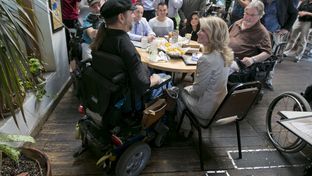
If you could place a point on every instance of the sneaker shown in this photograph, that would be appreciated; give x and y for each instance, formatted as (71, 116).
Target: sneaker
(288, 54)
(268, 86)
(297, 59)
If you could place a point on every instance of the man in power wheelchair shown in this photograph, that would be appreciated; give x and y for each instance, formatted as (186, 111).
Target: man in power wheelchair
(251, 43)
(111, 88)
(108, 126)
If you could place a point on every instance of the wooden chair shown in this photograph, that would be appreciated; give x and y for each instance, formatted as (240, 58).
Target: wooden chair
(234, 108)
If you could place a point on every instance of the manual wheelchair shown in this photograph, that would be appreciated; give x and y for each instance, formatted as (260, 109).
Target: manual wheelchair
(288, 120)
(121, 138)
(283, 139)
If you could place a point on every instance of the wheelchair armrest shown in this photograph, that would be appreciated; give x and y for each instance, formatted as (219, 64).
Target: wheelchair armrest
(119, 78)
(85, 61)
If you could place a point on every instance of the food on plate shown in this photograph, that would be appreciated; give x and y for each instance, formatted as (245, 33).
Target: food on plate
(172, 49)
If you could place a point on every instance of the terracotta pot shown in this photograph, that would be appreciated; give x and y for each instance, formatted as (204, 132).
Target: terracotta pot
(39, 156)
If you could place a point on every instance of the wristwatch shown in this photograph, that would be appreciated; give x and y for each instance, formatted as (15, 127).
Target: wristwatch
(254, 59)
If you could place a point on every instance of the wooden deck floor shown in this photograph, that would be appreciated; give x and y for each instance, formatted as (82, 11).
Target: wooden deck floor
(178, 157)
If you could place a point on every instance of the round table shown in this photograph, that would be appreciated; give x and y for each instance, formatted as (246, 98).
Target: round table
(176, 65)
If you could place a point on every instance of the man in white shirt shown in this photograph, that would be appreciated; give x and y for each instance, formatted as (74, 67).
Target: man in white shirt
(161, 24)
(173, 7)
(140, 27)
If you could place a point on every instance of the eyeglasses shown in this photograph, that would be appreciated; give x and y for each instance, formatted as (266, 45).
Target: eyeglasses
(252, 15)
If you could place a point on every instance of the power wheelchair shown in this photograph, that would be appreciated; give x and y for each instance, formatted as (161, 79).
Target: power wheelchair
(261, 70)
(119, 137)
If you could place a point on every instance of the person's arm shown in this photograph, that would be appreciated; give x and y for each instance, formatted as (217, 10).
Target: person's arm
(154, 79)
(304, 13)
(204, 77)
(292, 13)
(78, 6)
(87, 23)
(139, 73)
(182, 16)
(257, 58)
(265, 46)
(243, 3)
(91, 32)
(177, 3)
(150, 33)
(135, 37)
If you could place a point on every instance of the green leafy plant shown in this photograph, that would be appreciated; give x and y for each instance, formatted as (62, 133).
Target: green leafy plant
(7, 148)
(17, 31)
(36, 70)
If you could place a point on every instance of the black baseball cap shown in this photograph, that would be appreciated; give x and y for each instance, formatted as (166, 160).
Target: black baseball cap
(112, 8)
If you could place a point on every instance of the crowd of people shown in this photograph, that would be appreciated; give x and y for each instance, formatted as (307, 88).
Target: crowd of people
(112, 24)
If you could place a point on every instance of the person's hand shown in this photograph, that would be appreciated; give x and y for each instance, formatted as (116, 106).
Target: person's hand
(150, 38)
(302, 13)
(283, 31)
(155, 79)
(248, 61)
(185, 21)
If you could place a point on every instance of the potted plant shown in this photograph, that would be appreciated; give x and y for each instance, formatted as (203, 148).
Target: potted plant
(36, 70)
(34, 160)
(16, 33)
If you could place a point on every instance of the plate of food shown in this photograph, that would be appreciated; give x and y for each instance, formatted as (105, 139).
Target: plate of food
(172, 50)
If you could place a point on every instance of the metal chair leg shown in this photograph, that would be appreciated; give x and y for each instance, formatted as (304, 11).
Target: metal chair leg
(181, 120)
(238, 140)
(200, 149)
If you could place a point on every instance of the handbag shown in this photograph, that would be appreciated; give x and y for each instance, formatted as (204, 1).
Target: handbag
(153, 113)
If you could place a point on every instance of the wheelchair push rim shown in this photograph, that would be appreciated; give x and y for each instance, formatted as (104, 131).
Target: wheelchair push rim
(282, 138)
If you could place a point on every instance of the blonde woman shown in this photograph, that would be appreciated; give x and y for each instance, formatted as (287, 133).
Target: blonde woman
(210, 84)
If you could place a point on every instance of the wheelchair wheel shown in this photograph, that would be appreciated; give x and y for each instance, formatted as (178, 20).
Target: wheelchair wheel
(133, 160)
(282, 138)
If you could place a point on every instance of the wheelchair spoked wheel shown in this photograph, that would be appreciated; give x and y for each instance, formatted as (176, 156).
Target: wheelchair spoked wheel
(133, 160)
(282, 138)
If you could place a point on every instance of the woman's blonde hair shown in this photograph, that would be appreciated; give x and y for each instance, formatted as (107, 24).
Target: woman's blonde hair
(218, 37)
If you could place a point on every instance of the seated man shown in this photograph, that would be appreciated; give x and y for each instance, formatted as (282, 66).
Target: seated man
(113, 38)
(249, 39)
(161, 24)
(140, 27)
(91, 22)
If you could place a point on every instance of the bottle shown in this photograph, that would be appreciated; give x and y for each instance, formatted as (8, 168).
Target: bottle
(175, 36)
(154, 50)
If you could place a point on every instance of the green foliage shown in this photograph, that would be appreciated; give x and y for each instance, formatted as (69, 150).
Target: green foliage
(35, 66)
(17, 72)
(16, 31)
(36, 70)
(9, 150)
